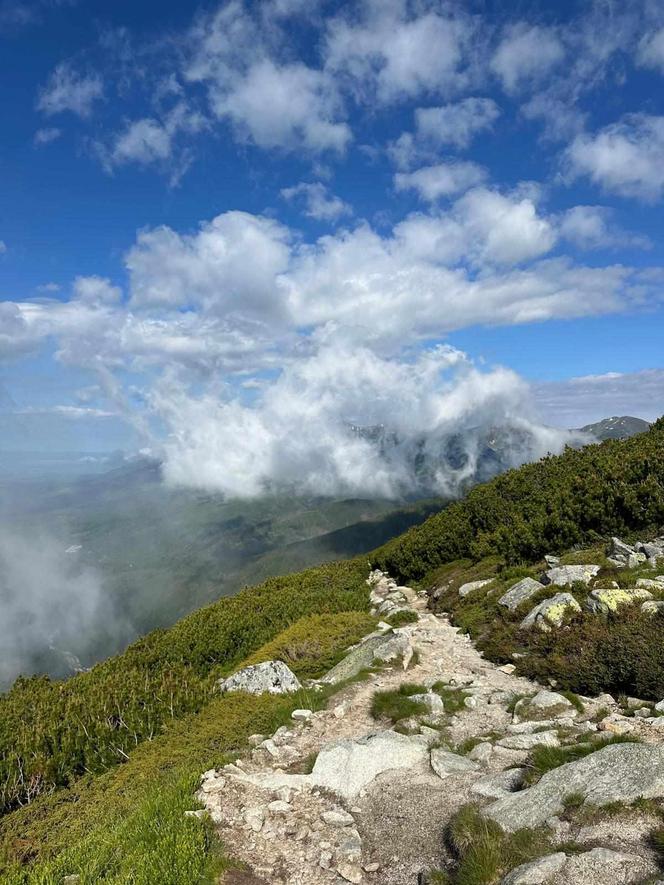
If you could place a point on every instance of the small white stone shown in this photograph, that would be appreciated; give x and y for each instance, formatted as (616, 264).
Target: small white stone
(279, 807)
(301, 715)
(337, 818)
(350, 872)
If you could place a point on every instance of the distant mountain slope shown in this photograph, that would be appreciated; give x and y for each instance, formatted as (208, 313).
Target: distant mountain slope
(616, 428)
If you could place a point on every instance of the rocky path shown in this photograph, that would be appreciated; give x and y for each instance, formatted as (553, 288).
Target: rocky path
(342, 797)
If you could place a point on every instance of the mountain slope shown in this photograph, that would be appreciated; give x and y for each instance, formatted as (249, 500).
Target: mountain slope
(616, 428)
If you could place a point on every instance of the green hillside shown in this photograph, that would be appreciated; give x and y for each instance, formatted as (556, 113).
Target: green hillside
(137, 728)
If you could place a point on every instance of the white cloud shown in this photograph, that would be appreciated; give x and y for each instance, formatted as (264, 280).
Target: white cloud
(285, 106)
(456, 124)
(96, 290)
(68, 90)
(526, 54)
(584, 400)
(3, 247)
(626, 158)
(593, 227)
(650, 52)
(388, 55)
(229, 266)
(319, 203)
(297, 431)
(46, 136)
(441, 180)
(508, 229)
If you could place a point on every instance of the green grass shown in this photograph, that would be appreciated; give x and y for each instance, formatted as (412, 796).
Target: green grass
(396, 704)
(453, 698)
(98, 818)
(543, 759)
(401, 618)
(484, 853)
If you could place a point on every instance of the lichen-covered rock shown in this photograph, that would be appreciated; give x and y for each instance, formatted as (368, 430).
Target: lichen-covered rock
(656, 584)
(520, 592)
(652, 606)
(273, 677)
(565, 575)
(495, 786)
(617, 773)
(365, 655)
(603, 600)
(465, 589)
(551, 612)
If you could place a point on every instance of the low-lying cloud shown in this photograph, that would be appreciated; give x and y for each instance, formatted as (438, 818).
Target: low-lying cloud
(53, 606)
(346, 421)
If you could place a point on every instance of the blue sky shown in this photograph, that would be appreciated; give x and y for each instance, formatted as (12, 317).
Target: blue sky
(213, 216)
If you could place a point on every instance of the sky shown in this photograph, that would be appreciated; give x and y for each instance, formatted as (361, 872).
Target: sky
(227, 230)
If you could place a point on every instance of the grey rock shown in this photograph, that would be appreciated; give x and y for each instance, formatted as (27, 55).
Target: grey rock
(551, 612)
(358, 659)
(620, 548)
(465, 589)
(551, 560)
(301, 715)
(528, 741)
(652, 606)
(536, 872)
(651, 550)
(659, 706)
(397, 646)
(520, 592)
(347, 767)
(544, 705)
(481, 753)
(564, 575)
(650, 584)
(273, 677)
(337, 818)
(617, 773)
(446, 763)
(602, 865)
(495, 786)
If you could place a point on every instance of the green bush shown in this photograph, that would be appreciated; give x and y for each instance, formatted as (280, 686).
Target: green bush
(52, 732)
(572, 499)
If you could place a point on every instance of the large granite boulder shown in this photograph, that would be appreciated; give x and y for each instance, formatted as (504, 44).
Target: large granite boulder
(617, 773)
(347, 767)
(273, 677)
(565, 575)
(520, 592)
(551, 612)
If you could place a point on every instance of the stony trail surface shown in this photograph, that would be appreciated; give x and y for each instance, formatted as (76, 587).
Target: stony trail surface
(375, 806)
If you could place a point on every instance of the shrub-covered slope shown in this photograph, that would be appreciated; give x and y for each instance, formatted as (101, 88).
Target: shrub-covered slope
(65, 739)
(552, 505)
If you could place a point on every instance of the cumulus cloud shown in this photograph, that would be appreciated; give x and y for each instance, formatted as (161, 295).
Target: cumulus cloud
(302, 430)
(441, 180)
(318, 202)
(96, 290)
(388, 54)
(457, 123)
(526, 53)
(626, 158)
(593, 227)
(230, 265)
(69, 90)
